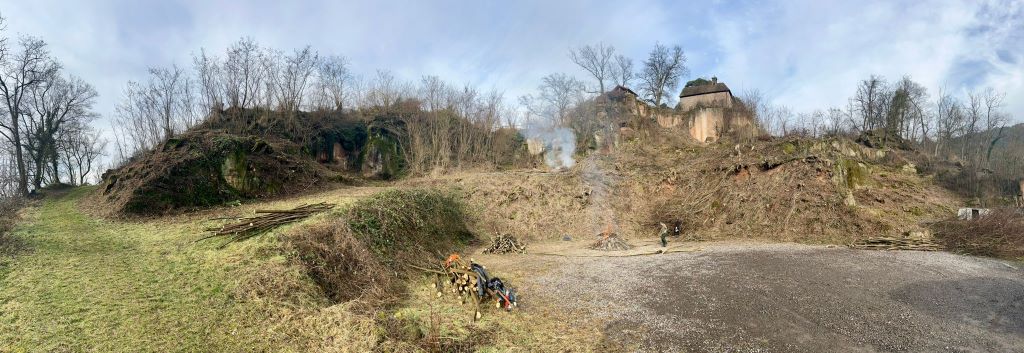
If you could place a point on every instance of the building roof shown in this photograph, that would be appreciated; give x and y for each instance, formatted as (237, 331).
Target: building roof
(704, 89)
(616, 94)
(623, 88)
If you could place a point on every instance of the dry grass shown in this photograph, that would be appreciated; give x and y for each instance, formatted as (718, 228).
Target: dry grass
(8, 218)
(781, 190)
(998, 234)
(338, 262)
(358, 254)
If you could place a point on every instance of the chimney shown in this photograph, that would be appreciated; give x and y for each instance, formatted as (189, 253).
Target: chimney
(714, 80)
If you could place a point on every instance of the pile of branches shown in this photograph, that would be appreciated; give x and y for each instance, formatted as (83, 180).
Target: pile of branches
(470, 281)
(999, 233)
(264, 221)
(610, 242)
(505, 244)
(893, 243)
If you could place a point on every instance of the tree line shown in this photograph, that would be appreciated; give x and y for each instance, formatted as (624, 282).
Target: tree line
(448, 125)
(46, 136)
(560, 94)
(964, 127)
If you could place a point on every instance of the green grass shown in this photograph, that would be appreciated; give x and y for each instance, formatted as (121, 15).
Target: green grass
(97, 285)
(93, 285)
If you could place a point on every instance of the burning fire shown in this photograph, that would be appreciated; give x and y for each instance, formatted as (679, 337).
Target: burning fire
(609, 230)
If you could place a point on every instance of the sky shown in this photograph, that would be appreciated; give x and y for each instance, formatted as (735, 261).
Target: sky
(804, 54)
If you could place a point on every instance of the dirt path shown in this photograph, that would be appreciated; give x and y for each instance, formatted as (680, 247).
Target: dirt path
(785, 298)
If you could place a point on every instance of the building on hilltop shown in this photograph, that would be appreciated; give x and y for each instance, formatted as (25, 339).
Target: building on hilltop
(715, 94)
(709, 110)
(623, 95)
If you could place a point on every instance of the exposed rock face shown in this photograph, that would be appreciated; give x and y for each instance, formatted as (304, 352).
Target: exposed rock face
(383, 157)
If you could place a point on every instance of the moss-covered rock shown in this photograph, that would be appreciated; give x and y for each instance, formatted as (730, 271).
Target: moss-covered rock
(207, 168)
(384, 156)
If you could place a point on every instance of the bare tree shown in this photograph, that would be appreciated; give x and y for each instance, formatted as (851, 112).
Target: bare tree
(598, 60)
(57, 106)
(835, 120)
(243, 73)
(871, 102)
(209, 78)
(21, 71)
(385, 91)
(333, 83)
(156, 110)
(558, 93)
(994, 120)
(169, 90)
(662, 71)
(82, 151)
(295, 75)
(949, 120)
(8, 172)
(622, 71)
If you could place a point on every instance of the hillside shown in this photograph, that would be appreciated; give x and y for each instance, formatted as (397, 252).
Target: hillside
(807, 190)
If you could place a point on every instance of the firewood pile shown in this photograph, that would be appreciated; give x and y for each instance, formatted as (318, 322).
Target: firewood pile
(264, 221)
(469, 280)
(505, 244)
(610, 242)
(894, 243)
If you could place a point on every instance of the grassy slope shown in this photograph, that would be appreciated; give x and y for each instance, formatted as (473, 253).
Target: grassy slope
(112, 286)
(89, 284)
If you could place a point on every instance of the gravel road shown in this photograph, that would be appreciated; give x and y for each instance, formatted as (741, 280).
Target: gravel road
(786, 298)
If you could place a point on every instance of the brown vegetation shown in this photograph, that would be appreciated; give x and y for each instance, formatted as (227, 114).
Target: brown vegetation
(359, 253)
(8, 217)
(207, 168)
(998, 234)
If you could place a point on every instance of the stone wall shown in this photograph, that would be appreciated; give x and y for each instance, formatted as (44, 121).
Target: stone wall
(669, 121)
(707, 124)
(717, 99)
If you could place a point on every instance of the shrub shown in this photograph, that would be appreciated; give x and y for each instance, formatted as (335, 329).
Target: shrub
(8, 213)
(998, 234)
(8, 217)
(357, 254)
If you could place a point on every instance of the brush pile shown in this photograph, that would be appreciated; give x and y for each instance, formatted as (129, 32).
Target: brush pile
(265, 221)
(505, 244)
(893, 243)
(610, 242)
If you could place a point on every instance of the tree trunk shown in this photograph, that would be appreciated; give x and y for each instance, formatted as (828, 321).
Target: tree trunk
(18, 156)
(54, 163)
(37, 177)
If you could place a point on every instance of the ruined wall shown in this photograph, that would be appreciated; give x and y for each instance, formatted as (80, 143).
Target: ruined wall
(718, 99)
(707, 124)
(670, 120)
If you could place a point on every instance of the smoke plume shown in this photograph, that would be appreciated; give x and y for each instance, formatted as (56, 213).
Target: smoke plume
(559, 145)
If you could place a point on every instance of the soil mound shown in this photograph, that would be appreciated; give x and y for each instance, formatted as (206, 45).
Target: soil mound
(206, 168)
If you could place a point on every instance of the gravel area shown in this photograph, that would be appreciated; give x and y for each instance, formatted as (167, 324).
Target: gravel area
(786, 298)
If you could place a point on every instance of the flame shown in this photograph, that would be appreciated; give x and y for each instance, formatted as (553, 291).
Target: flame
(608, 230)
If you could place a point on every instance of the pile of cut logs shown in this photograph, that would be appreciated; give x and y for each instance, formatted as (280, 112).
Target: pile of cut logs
(469, 280)
(264, 221)
(504, 244)
(893, 243)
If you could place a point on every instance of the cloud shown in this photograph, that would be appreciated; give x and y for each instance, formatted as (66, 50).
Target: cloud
(809, 54)
(804, 54)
